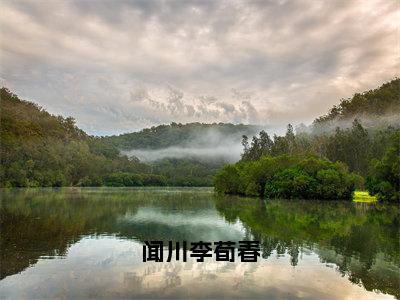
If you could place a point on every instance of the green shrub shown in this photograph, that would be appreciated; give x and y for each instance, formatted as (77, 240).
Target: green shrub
(228, 180)
(123, 179)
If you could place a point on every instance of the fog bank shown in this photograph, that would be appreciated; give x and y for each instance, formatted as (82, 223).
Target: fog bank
(227, 152)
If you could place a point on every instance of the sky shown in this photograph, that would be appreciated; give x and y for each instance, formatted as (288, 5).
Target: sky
(120, 66)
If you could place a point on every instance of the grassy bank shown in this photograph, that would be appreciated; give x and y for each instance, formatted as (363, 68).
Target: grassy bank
(362, 196)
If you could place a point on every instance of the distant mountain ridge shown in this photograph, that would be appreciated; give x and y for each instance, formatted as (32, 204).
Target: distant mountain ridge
(183, 135)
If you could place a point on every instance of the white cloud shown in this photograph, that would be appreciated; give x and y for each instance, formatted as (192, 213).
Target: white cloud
(119, 66)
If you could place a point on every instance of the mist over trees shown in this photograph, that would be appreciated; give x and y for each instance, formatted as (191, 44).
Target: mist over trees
(186, 154)
(369, 151)
(355, 146)
(189, 135)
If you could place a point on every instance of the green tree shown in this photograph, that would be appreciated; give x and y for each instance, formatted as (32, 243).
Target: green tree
(383, 177)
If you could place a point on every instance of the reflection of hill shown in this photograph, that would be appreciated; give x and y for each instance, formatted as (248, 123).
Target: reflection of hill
(361, 240)
(45, 222)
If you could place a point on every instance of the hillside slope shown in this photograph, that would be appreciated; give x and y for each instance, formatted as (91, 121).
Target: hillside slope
(40, 149)
(377, 103)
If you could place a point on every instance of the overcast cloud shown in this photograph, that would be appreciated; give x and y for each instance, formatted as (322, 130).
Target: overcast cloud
(119, 66)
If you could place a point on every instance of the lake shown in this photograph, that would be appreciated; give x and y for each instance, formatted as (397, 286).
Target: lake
(75, 243)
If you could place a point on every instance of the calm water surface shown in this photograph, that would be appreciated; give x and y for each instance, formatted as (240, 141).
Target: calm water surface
(87, 243)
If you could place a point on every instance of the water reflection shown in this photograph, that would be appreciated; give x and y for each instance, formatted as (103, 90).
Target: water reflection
(74, 243)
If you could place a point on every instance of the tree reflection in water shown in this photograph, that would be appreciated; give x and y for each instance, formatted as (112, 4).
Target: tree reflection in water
(360, 240)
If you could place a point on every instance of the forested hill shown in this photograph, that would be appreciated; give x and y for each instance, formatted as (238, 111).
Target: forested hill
(183, 135)
(27, 123)
(25, 120)
(40, 149)
(380, 102)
